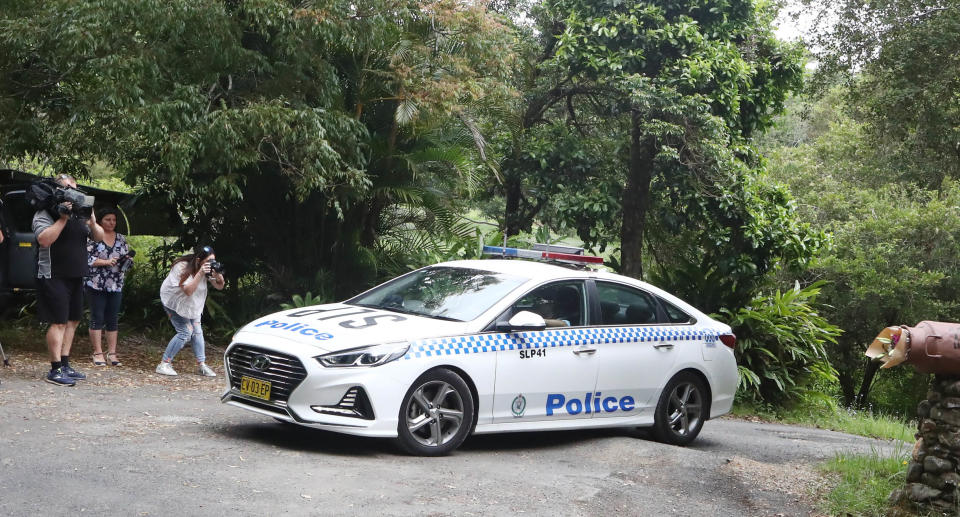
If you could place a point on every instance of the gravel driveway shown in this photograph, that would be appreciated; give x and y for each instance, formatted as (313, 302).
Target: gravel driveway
(129, 442)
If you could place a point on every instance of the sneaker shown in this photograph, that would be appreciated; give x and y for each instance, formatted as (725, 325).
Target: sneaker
(73, 374)
(165, 368)
(205, 370)
(59, 378)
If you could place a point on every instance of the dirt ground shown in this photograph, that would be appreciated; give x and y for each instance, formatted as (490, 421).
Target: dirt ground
(140, 354)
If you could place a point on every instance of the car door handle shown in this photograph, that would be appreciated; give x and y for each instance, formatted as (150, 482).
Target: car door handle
(588, 351)
(668, 346)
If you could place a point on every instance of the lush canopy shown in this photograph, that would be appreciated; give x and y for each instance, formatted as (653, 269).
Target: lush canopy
(323, 145)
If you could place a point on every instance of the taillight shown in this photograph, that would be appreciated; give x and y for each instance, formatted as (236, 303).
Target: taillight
(729, 339)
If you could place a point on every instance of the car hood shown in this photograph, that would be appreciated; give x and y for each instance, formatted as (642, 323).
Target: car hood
(337, 326)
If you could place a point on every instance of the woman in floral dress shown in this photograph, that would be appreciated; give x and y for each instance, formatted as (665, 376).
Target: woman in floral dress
(109, 261)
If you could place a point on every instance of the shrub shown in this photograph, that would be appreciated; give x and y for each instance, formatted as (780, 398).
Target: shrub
(141, 289)
(781, 344)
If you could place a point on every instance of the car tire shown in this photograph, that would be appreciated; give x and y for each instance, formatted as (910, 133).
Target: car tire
(681, 410)
(436, 414)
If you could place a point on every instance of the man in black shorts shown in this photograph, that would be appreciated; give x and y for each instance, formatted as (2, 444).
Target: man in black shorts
(62, 264)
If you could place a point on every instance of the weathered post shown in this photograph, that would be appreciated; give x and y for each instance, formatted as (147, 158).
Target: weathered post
(933, 473)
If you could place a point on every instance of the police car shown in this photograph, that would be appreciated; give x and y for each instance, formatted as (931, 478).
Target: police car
(485, 346)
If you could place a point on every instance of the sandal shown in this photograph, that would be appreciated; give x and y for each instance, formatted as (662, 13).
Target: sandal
(101, 362)
(115, 361)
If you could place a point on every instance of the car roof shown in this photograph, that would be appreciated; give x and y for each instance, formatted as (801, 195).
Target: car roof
(538, 271)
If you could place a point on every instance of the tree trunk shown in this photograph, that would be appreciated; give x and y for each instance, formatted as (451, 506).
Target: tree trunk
(636, 199)
(370, 220)
(869, 372)
(847, 388)
(512, 219)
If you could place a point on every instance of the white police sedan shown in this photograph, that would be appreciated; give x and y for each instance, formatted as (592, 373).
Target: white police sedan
(484, 346)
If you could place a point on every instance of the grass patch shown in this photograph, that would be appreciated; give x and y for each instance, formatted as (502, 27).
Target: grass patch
(835, 418)
(865, 482)
(862, 423)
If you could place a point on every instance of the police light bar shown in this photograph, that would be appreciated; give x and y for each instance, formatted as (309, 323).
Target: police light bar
(542, 255)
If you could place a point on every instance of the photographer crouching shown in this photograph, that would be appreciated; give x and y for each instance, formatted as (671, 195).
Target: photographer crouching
(62, 226)
(183, 295)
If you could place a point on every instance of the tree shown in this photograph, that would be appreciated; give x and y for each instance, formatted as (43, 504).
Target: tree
(893, 254)
(686, 79)
(893, 64)
(897, 59)
(543, 140)
(284, 131)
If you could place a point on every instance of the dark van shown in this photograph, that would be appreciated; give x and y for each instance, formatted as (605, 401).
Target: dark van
(18, 252)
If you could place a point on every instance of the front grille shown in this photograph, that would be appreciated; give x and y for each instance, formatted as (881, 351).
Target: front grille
(285, 372)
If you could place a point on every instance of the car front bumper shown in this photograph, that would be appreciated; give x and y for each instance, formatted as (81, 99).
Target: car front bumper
(360, 401)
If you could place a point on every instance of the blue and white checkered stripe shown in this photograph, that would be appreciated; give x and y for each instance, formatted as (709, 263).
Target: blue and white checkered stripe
(482, 343)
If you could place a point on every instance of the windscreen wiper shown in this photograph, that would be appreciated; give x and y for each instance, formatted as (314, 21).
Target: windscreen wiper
(401, 310)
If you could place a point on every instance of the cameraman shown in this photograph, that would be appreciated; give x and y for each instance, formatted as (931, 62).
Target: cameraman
(62, 264)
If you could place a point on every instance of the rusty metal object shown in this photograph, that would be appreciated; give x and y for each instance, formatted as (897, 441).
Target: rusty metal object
(935, 347)
(930, 346)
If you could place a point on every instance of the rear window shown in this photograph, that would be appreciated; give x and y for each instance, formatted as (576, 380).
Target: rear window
(622, 305)
(675, 315)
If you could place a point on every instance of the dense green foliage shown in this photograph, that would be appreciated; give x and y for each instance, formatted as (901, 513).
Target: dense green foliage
(681, 84)
(893, 258)
(631, 133)
(293, 136)
(898, 62)
(781, 344)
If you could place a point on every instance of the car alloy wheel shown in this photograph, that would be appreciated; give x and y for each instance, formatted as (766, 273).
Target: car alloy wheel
(681, 410)
(436, 414)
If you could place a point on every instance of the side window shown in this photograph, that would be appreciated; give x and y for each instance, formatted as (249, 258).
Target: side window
(622, 305)
(675, 315)
(561, 304)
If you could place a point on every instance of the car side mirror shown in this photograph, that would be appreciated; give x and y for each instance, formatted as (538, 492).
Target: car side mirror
(523, 320)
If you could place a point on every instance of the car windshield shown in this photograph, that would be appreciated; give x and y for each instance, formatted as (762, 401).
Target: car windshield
(450, 293)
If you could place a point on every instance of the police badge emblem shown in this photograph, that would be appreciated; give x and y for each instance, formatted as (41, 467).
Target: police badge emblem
(519, 405)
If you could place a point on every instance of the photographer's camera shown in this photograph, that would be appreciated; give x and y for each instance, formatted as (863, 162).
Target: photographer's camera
(122, 261)
(215, 267)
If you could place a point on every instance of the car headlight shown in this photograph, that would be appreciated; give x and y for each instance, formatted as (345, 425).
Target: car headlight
(365, 356)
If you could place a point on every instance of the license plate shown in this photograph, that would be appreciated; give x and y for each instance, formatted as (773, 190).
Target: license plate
(255, 388)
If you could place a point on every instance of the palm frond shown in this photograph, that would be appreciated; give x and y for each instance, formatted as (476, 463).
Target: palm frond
(406, 112)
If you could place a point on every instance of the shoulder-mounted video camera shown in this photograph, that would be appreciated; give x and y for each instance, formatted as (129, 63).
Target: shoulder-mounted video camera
(47, 194)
